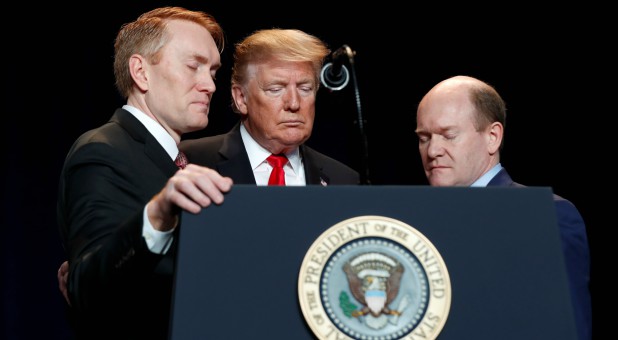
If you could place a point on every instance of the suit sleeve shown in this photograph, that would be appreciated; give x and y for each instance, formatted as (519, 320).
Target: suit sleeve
(103, 216)
(577, 258)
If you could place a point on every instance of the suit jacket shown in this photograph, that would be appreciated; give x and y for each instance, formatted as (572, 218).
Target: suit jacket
(576, 254)
(226, 153)
(119, 289)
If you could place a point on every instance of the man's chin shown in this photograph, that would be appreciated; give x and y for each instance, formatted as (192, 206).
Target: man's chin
(294, 138)
(440, 181)
(199, 123)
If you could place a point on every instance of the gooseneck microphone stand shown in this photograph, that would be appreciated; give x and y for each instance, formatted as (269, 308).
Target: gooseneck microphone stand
(335, 76)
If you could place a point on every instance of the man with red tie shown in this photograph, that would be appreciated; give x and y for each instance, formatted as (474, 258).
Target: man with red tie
(275, 79)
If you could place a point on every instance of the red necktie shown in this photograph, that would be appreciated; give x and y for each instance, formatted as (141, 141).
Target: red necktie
(277, 176)
(181, 160)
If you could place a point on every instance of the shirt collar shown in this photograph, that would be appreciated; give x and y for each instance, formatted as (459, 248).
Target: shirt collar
(483, 180)
(158, 132)
(258, 154)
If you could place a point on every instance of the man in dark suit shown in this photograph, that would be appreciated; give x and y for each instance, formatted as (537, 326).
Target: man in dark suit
(460, 127)
(275, 79)
(121, 192)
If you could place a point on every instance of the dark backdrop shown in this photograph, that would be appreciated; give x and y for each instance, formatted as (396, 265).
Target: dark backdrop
(547, 65)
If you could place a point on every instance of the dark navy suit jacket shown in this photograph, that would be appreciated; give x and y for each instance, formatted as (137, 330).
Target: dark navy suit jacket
(576, 254)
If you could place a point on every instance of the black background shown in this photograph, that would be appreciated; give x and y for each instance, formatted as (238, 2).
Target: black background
(548, 64)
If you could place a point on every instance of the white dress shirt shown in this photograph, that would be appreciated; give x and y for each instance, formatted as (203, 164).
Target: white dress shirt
(294, 170)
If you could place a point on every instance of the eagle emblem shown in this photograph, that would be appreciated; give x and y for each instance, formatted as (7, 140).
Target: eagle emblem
(374, 280)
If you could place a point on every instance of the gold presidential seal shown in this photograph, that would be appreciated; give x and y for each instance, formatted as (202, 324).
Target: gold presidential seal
(374, 278)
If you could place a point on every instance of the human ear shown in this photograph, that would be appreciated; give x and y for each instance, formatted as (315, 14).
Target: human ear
(239, 98)
(138, 71)
(495, 135)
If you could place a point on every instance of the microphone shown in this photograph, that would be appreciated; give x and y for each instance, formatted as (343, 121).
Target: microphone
(335, 75)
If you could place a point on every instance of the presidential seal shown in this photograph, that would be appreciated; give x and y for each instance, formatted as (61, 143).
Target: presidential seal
(374, 278)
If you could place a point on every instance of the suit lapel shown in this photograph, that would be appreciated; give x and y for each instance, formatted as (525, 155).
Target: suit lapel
(152, 148)
(313, 169)
(234, 159)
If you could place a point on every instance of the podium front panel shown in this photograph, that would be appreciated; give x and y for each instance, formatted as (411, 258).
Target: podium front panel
(238, 263)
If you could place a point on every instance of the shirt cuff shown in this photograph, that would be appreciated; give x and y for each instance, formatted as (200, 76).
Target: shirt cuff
(158, 242)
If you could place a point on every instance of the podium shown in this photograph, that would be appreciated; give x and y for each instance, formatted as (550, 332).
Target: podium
(239, 265)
